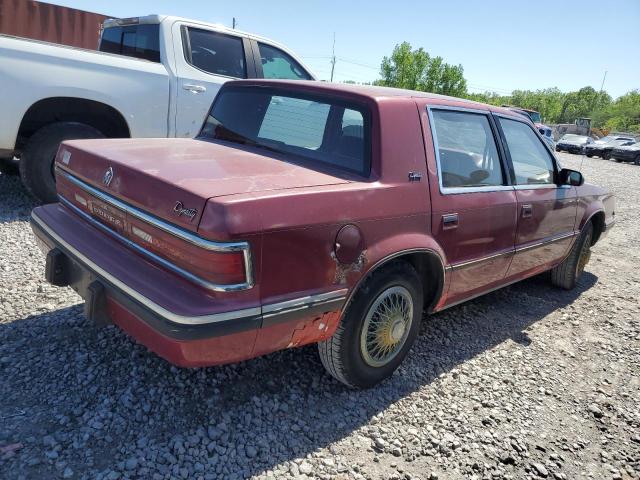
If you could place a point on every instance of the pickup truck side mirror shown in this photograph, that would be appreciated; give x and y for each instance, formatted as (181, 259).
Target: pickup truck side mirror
(571, 177)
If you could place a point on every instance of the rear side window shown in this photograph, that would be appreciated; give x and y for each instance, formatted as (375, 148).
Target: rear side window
(467, 152)
(532, 162)
(313, 129)
(278, 64)
(138, 41)
(215, 53)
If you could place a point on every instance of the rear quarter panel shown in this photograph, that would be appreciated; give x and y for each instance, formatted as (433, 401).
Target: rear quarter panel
(299, 226)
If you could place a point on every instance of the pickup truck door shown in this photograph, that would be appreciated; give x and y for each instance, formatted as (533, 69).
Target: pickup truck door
(473, 204)
(546, 211)
(204, 60)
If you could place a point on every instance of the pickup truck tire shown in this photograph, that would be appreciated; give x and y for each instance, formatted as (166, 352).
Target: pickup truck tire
(346, 355)
(36, 161)
(566, 274)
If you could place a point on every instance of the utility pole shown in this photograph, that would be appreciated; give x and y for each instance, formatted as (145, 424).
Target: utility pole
(333, 56)
(603, 79)
(234, 23)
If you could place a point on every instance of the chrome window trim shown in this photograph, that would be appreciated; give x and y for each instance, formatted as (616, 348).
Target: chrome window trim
(273, 308)
(458, 190)
(222, 247)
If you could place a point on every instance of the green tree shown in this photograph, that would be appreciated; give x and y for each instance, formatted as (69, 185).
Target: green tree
(623, 115)
(417, 70)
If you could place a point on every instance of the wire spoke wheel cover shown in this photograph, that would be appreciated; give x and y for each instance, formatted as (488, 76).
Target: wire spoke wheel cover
(386, 326)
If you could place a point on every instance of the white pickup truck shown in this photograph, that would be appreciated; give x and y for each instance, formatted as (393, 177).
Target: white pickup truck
(153, 76)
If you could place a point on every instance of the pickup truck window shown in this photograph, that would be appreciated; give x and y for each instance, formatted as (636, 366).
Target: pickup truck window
(139, 41)
(277, 64)
(319, 130)
(532, 162)
(216, 53)
(467, 151)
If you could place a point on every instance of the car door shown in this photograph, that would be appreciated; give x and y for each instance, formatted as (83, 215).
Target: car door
(205, 59)
(473, 204)
(546, 211)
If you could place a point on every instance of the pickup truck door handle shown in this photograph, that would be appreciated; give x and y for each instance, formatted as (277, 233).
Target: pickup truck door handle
(194, 88)
(449, 221)
(527, 210)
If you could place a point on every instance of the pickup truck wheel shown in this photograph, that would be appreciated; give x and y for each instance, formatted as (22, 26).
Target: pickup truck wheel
(378, 329)
(36, 161)
(566, 274)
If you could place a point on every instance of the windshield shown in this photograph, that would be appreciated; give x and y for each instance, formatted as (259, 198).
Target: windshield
(535, 117)
(309, 128)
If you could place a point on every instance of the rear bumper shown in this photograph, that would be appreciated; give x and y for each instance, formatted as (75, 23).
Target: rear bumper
(200, 329)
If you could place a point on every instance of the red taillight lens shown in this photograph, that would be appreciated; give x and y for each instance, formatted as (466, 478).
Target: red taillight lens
(221, 268)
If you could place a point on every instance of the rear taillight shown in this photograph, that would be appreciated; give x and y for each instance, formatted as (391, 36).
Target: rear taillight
(217, 267)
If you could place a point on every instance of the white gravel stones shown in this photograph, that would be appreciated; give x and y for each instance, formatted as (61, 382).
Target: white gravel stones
(527, 382)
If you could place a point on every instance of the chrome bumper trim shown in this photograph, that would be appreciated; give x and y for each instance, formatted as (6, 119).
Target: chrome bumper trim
(261, 311)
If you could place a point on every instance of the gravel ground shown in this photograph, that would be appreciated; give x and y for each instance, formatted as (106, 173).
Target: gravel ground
(526, 382)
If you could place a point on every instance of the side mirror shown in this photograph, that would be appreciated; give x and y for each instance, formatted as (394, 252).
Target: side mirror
(571, 177)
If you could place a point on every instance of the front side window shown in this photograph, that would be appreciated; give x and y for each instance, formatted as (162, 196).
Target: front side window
(313, 129)
(532, 163)
(278, 64)
(466, 149)
(216, 53)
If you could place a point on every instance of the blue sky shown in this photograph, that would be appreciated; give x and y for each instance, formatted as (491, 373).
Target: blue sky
(502, 45)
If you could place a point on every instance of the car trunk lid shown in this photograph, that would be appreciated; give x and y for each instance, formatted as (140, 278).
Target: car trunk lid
(173, 178)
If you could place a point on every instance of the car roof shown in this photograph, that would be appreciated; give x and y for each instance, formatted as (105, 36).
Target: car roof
(373, 92)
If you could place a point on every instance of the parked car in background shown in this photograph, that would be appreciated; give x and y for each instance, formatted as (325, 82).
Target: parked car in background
(602, 148)
(573, 143)
(536, 118)
(154, 76)
(627, 153)
(308, 212)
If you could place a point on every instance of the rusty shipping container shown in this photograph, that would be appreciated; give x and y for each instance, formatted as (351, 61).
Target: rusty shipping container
(51, 23)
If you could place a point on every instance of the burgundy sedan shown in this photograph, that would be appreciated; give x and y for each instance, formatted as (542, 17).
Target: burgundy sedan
(313, 213)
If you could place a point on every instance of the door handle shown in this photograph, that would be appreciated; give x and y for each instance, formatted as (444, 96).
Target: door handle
(194, 88)
(527, 210)
(450, 221)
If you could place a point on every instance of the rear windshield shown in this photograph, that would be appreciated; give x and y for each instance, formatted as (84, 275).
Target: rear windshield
(316, 129)
(139, 41)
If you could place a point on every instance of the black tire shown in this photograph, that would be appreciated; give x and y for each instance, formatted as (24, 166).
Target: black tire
(589, 155)
(636, 161)
(9, 166)
(36, 161)
(342, 354)
(566, 274)
(606, 156)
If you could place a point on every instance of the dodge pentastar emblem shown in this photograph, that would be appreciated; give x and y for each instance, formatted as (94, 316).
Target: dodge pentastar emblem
(108, 176)
(180, 209)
